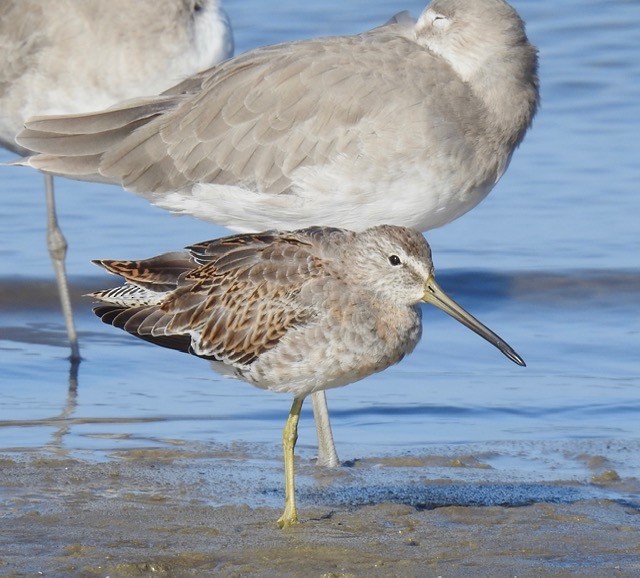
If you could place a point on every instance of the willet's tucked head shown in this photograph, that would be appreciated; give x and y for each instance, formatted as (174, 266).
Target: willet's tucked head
(484, 41)
(468, 33)
(295, 312)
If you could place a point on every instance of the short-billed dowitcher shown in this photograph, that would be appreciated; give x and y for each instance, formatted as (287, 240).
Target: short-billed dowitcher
(411, 123)
(295, 312)
(63, 56)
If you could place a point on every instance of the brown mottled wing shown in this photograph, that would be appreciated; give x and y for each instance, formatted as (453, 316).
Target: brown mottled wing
(157, 274)
(244, 297)
(147, 284)
(129, 319)
(239, 302)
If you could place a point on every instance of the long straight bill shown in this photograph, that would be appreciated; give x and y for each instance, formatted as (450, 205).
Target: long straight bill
(436, 296)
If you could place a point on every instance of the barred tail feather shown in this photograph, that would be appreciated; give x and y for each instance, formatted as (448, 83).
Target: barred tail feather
(130, 320)
(129, 295)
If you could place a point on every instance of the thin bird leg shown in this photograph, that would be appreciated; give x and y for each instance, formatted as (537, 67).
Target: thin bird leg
(289, 438)
(327, 454)
(57, 245)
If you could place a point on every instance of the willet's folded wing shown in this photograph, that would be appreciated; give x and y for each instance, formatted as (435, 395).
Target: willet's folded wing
(255, 119)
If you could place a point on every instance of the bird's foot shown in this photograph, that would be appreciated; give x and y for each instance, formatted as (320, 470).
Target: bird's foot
(289, 518)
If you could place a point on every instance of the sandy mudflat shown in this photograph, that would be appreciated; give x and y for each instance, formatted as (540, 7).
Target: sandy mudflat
(192, 512)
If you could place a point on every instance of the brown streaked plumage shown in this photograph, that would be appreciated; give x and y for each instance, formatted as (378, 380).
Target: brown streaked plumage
(298, 312)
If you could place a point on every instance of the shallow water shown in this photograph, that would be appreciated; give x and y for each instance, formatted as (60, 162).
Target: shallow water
(550, 261)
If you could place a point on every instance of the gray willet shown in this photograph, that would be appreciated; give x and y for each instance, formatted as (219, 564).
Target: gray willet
(411, 124)
(293, 312)
(64, 56)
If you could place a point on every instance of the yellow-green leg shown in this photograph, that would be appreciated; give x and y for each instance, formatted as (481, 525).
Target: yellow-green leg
(289, 439)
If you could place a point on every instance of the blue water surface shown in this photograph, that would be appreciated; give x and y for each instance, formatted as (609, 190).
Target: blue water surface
(550, 260)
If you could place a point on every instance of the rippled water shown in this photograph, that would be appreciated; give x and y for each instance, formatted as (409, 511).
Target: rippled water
(550, 261)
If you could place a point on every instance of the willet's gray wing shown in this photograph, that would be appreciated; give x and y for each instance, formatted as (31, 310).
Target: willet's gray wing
(260, 117)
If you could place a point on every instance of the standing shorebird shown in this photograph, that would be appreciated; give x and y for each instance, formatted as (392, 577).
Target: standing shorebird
(411, 123)
(295, 312)
(64, 56)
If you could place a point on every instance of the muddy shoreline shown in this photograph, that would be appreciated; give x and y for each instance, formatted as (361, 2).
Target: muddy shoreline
(150, 512)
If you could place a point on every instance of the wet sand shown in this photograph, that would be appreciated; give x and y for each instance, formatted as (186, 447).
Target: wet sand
(192, 511)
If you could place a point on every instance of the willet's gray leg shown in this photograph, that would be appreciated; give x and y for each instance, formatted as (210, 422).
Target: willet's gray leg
(327, 454)
(57, 246)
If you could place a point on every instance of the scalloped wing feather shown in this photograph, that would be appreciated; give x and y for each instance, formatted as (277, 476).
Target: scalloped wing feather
(236, 299)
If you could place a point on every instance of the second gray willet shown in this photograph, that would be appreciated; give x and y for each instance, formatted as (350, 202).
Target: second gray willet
(293, 312)
(411, 124)
(63, 56)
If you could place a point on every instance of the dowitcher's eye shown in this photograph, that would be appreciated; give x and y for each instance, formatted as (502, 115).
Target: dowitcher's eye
(395, 260)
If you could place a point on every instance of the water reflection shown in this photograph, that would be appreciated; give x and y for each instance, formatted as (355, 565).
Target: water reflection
(57, 438)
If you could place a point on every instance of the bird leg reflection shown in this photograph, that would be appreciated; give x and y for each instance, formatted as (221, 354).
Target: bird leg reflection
(64, 418)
